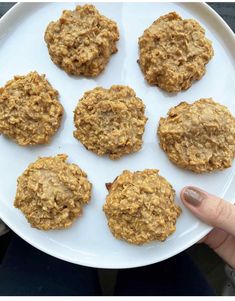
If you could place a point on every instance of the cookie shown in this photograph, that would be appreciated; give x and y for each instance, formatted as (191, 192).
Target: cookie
(52, 192)
(173, 52)
(140, 207)
(110, 121)
(199, 136)
(30, 112)
(82, 41)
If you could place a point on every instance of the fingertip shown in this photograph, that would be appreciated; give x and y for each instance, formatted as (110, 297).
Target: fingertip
(184, 190)
(192, 196)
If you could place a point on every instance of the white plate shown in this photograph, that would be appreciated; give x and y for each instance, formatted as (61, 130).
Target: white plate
(89, 241)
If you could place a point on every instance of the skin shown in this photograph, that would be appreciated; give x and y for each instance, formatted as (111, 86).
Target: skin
(217, 213)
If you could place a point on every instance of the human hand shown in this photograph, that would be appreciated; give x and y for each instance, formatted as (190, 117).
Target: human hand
(216, 213)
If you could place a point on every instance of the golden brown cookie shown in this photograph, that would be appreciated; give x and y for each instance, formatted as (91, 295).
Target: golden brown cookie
(82, 41)
(52, 192)
(173, 52)
(199, 136)
(110, 121)
(30, 112)
(140, 207)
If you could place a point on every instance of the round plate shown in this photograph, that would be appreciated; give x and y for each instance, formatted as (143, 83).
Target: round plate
(89, 241)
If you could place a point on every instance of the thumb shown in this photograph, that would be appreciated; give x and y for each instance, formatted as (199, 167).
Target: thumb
(210, 209)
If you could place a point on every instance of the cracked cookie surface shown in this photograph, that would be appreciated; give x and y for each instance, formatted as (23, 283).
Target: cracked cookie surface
(82, 41)
(173, 52)
(199, 136)
(140, 207)
(110, 121)
(30, 112)
(52, 192)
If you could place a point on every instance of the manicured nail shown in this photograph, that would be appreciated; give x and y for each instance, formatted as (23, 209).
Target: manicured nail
(193, 196)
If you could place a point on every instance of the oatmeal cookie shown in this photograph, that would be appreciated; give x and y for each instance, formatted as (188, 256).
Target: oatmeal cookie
(51, 193)
(174, 52)
(199, 136)
(30, 112)
(82, 41)
(110, 121)
(140, 207)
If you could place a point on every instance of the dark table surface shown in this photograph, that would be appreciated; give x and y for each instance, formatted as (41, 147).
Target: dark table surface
(225, 10)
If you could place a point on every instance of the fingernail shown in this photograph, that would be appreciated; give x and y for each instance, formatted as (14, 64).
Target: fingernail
(193, 196)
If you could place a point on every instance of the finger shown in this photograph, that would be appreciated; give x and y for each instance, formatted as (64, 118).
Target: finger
(215, 238)
(223, 244)
(209, 208)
